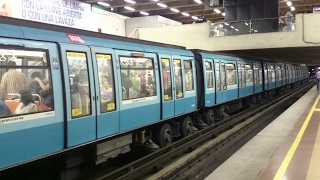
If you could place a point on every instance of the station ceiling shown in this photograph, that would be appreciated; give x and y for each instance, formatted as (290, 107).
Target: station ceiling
(187, 6)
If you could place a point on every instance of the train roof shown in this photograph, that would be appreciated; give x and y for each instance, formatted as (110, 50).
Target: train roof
(17, 28)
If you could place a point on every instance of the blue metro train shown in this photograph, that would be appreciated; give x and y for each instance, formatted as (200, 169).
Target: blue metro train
(105, 92)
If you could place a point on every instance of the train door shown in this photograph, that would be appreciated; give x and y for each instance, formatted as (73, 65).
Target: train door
(232, 84)
(80, 93)
(209, 83)
(266, 77)
(224, 81)
(107, 91)
(179, 106)
(219, 95)
(167, 85)
(139, 98)
(190, 98)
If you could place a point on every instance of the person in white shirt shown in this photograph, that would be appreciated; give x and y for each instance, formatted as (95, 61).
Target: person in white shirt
(318, 79)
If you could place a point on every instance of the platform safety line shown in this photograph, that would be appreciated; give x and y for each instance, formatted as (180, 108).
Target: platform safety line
(317, 109)
(285, 163)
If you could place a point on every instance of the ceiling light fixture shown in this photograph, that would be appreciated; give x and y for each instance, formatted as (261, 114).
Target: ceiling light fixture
(226, 24)
(246, 23)
(223, 14)
(217, 11)
(232, 27)
(174, 10)
(292, 8)
(144, 13)
(198, 1)
(162, 5)
(221, 25)
(185, 14)
(289, 3)
(130, 1)
(236, 29)
(129, 8)
(194, 17)
(103, 4)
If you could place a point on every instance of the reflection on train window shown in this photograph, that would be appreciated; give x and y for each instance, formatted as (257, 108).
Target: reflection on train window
(231, 74)
(248, 73)
(188, 75)
(243, 75)
(209, 74)
(255, 74)
(138, 79)
(266, 74)
(166, 79)
(260, 73)
(25, 86)
(218, 83)
(273, 73)
(79, 84)
(106, 83)
(223, 76)
(178, 78)
(240, 75)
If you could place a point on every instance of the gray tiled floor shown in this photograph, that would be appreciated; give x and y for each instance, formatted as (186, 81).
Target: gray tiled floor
(249, 161)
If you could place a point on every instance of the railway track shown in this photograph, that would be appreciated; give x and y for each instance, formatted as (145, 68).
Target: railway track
(225, 133)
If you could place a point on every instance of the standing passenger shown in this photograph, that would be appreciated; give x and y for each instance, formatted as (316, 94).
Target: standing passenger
(318, 79)
(12, 81)
(289, 20)
(75, 85)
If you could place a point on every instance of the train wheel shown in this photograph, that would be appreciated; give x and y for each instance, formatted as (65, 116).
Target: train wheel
(186, 127)
(208, 117)
(163, 136)
(222, 112)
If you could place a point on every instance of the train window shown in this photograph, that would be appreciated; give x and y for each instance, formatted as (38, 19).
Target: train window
(273, 74)
(266, 74)
(79, 84)
(277, 72)
(256, 75)
(243, 74)
(188, 75)
(248, 70)
(209, 75)
(218, 84)
(240, 75)
(260, 74)
(283, 72)
(231, 74)
(138, 79)
(178, 78)
(106, 82)
(166, 79)
(25, 86)
(223, 76)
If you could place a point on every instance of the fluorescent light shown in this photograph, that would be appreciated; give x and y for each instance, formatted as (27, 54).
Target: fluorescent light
(130, 1)
(198, 1)
(292, 8)
(162, 5)
(155, 0)
(220, 25)
(194, 17)
(226, 24)
(246, 23)
(217, 11)
(144, 13)
(103, 4)
(289, 3)
(223, 14)
(236, 29)
(174, 10)
(129, 8)
(232, 27)
(185, 14)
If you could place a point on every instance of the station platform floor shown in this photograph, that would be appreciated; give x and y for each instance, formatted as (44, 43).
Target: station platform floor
(287, 149)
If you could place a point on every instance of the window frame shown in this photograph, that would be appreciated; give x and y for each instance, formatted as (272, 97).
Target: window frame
(233, 71)
(209, 70)
(218, 77)
(170, 67)
(185, 73)
(178, 95)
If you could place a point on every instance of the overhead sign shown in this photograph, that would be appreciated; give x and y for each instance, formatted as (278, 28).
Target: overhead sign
(75, 38)
(69, 13)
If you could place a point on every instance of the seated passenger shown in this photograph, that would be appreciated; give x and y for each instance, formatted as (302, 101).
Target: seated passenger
(4, 110)
(106, 96)
(26, 104)
(41, 87)
(144, 92)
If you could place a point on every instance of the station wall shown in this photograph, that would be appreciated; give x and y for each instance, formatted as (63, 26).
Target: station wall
(196, 36)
